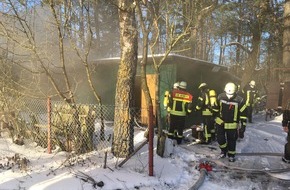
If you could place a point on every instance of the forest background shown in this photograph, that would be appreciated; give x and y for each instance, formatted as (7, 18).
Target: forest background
(43, 43)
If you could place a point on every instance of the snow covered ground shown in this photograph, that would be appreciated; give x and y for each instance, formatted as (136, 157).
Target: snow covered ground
(34, 169)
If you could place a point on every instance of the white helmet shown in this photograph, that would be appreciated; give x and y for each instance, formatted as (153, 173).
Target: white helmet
(202, 85)
(230, 88)
(252, 83)
(182, 85)
(176, 85)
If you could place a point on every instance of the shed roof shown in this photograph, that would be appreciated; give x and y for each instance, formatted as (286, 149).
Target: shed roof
(174, 59)
(170, 57)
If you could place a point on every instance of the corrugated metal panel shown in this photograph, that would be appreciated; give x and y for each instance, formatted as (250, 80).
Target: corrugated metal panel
(273, 89)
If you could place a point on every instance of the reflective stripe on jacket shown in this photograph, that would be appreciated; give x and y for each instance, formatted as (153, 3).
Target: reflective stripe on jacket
(250, 95)
(207, 103)
(230, 110)
(180, 104)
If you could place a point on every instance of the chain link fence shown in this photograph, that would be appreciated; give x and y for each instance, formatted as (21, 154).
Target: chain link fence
(70, 127)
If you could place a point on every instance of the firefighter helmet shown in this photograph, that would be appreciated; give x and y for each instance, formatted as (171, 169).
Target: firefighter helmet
(176, 85)
(252, 83)
(202, 85)
(183, 85)
(230, 88)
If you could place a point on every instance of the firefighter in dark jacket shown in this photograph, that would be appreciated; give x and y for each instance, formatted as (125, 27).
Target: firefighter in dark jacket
(231, 107)
(243, 118)
(286, 128)
(207, 104)
(251, 93)
(179, 106)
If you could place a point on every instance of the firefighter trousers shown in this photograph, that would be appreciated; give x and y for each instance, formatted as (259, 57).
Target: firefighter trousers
(242, 129)
(209, 128)
(287, 148)
(227, 140)
(176, 127)
(250, 113)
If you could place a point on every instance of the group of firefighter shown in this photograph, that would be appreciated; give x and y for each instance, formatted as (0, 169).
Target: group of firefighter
(223, 116)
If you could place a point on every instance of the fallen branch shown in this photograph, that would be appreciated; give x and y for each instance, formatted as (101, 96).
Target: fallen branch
(133, 153)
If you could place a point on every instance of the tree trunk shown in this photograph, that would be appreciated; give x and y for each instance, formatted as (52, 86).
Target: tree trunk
(123, 124)
(252, 61)
(286, 40)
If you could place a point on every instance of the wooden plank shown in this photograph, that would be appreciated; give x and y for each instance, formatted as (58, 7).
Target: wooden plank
(151, 79)
(273, 89)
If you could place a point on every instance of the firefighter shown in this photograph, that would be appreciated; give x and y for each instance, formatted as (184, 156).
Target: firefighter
(167, 97)
(207, 104)
(166, 101)
(286, 128)
(243, 117)
(179, 106)
(231, 106)
(251, 94)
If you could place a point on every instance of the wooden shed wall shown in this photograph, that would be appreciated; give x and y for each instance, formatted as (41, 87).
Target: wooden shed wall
(273, 93)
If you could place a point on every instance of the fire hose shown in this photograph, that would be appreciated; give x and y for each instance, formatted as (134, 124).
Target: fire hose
(204, 167)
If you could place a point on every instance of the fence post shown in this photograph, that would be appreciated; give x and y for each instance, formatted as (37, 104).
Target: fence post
(48, 125)
(150, 143)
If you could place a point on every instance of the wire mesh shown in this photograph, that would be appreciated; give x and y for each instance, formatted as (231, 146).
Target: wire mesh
(80, 128)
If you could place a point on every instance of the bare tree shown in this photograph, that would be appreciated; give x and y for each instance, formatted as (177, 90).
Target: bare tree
(154, 16)
(255, 19)
(48, 53)
(199, 12)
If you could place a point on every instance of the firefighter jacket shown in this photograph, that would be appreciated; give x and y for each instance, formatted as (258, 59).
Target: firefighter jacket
(180, 102)
(242, 94)
(230, 110)
(250, 94)
(207, 103)
(166, 100)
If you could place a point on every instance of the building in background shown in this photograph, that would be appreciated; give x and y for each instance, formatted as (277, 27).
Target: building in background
(175, 68)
